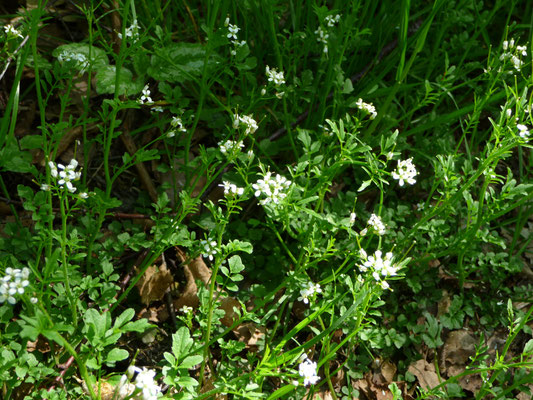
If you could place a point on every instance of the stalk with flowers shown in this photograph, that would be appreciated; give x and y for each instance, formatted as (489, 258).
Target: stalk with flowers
(287, 201)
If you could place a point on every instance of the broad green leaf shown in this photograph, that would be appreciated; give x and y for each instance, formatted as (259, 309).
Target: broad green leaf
(106, 77)
(235, 264)
(116, 355)
(191, 361)
(97, 57)
(181, 342)
(140, 325)
(180, 62)
(126, 316)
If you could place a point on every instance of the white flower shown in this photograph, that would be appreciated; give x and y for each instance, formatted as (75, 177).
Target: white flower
(230, 189)
(84, 195)
(274, 76)
(132, 31)
(10, 30)
(145, 96)
(307, 370)
(381, 267)
(309, 290)
(273, 188)
(13, 283)
(209, 248)
(376, 223)
(352, 218)
(405, 172)
(250, 155)
(186, 309)
(367, 107)
(45, 187)
(143, 381)
(65, 174)
(232, 31)
(331, 20)
(523, 131)
(246, 120)
(230, 147)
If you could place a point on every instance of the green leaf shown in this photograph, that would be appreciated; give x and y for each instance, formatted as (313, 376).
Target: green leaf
(138, 326)
(106, 77)
(528, 348)
(235, 264)
(180, 62)
(181, 343)
(191, 361)
(116, 355)
(97, 57)
(31, 142)
(126, 316)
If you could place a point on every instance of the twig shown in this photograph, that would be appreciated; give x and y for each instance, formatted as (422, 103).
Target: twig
(11, 56)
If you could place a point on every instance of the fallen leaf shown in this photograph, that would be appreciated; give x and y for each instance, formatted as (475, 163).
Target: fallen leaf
(228, 304)
(425, 373)
(250, 334)
(194, 270)
(154, 283)
(458, 347)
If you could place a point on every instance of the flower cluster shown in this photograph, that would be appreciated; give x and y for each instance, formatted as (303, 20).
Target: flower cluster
(523, 131)
(230, 147)
(405, 172)
(322, 34)
(145, 96)
(309, 290)
(66, 175)
(13, 283)
(230, 189)
(274, 76)
(248, 121)
(232, 35)
(177, 125)
(381, 268)
(11, 31)
(209, 248)
(307, 369)
(367, 107)
(273, 188)
(376, 224)
(513, 53)
(132, 31)
(144, 381)
(80, 60)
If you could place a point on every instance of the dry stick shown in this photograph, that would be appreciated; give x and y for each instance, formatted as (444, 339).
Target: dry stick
(11, 57)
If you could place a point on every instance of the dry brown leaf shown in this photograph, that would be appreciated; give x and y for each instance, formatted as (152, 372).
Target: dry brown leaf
(388, 370)
(228, 304)
(40, 344)
(458, 348)
(154, 283)
(249, 333)
(525, 396)
(323, 395)
(472, 383)
(194, 270)
(425, 373)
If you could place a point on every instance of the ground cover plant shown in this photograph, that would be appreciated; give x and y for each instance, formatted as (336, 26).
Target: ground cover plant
(262, 200)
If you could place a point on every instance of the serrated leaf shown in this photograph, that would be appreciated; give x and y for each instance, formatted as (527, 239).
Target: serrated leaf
(180, 62)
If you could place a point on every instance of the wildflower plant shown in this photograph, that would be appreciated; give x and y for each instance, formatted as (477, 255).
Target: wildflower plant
(230, 173)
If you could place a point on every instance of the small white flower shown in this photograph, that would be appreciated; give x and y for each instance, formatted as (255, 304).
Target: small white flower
(209, 248)
(309, 290)
(186, 309)
(145, 96)
(10, 30)
(523, 131)
(377, 224)
(405, 172)
(248, 121)
(367, 107)
(84, 195)
(230, 147)
(273, 188)
(274, 76)
(307, 370)
(230, 189)
(352, 218)
(381, 267)
(45, 187)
